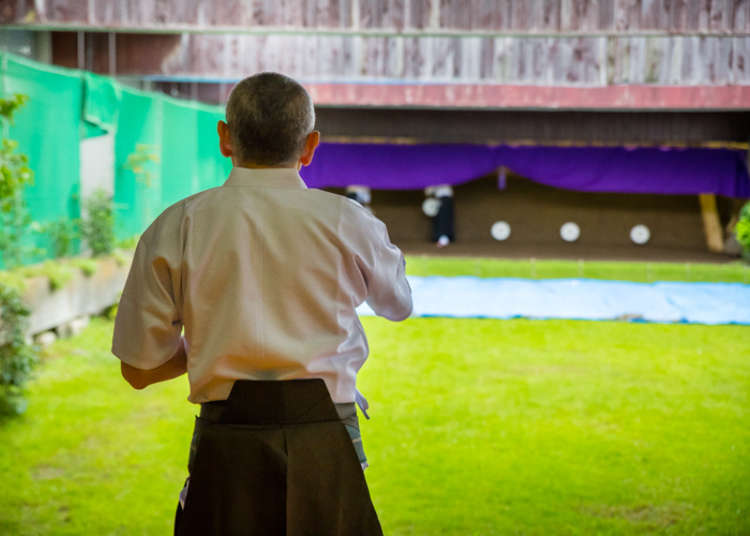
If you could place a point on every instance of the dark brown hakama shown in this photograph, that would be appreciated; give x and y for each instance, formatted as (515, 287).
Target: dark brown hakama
(274, 458)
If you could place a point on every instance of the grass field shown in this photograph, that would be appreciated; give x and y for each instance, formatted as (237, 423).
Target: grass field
(729, 272)
(478, 427)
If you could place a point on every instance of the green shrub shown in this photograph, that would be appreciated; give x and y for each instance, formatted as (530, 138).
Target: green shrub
(15, 224)
(742, 231)
(15, 174)
(61, 234)
(129, 242)
(58, 273)
(98, 223)
(142, 162)
(16, 357)
(87, 266)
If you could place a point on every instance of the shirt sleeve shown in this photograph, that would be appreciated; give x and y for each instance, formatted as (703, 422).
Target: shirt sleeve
(148, 323)
(384, 270)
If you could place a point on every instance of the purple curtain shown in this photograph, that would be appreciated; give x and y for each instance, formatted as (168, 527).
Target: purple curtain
(397, 167)
(587, 169)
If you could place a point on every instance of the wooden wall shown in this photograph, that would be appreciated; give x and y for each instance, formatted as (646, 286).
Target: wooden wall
(423, 52)
(536, 213)
(537, 127)
(506, 16)
(552, 61)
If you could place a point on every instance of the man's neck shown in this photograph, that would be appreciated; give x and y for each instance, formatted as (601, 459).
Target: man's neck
(252, 165)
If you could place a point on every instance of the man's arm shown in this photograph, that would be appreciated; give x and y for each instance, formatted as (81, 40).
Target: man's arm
(147, 329)
(389, 294)
(175, 367)
(382, 266)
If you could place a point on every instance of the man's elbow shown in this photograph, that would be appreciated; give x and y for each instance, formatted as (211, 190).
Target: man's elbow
(404, 315)
(400, 314)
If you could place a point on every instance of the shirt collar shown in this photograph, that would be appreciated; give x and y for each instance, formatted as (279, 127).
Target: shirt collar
(265, 178)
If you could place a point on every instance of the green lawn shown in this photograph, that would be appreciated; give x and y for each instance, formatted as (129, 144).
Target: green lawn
(730, 272)
(478, 427)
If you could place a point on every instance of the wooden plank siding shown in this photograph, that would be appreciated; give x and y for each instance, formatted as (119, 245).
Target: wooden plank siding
(579, 61)
(581, 54)
(547, 61)
(495, 16)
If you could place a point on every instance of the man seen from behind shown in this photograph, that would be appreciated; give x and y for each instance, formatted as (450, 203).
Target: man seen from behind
(251, 288)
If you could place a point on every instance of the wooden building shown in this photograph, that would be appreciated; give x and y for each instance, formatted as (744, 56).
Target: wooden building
(544, 72)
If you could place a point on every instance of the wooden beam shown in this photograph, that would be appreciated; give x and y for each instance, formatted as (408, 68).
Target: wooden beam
(711, 223)
(531, 97)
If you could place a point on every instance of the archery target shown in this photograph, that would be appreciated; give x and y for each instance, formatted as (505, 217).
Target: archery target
(640, 234)
(500, 230)
(570, 231)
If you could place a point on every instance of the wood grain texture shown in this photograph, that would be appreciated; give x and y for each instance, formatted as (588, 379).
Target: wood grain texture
(576, 61)
(523, 16)
(626, 51)
(712, 229)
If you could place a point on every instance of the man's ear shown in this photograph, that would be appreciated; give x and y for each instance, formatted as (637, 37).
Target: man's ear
(225, 139)
(311, 143)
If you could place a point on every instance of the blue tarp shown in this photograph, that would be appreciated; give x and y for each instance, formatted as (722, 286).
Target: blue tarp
(589, 299)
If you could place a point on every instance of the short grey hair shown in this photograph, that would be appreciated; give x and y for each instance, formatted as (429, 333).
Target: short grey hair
(269, 117)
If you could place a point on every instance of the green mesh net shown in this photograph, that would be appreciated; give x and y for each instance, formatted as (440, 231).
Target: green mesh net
(164, 149)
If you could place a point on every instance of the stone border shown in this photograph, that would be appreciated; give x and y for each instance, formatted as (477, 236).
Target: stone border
(80, 297)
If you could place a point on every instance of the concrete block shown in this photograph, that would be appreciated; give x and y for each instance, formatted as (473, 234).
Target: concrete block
(79, 324)
(73, 327)
(80, 297)
(45, 338)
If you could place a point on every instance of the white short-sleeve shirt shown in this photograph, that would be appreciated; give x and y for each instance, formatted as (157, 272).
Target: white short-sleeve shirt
(264, 275)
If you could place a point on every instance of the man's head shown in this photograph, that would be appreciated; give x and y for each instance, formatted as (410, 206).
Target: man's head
(270, 120)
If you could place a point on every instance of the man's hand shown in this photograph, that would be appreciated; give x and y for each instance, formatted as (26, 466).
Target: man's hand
(140, 379)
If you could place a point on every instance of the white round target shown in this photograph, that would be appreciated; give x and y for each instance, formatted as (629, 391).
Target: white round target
(570, 231)
(430, 207)
(640, 234)
(500, 230)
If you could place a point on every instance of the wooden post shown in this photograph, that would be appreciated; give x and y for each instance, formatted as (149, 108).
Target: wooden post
(711, 223)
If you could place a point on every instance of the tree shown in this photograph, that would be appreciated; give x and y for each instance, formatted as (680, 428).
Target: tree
(15, 174)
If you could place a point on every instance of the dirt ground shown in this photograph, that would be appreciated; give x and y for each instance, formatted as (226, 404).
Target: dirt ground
(535, 213)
